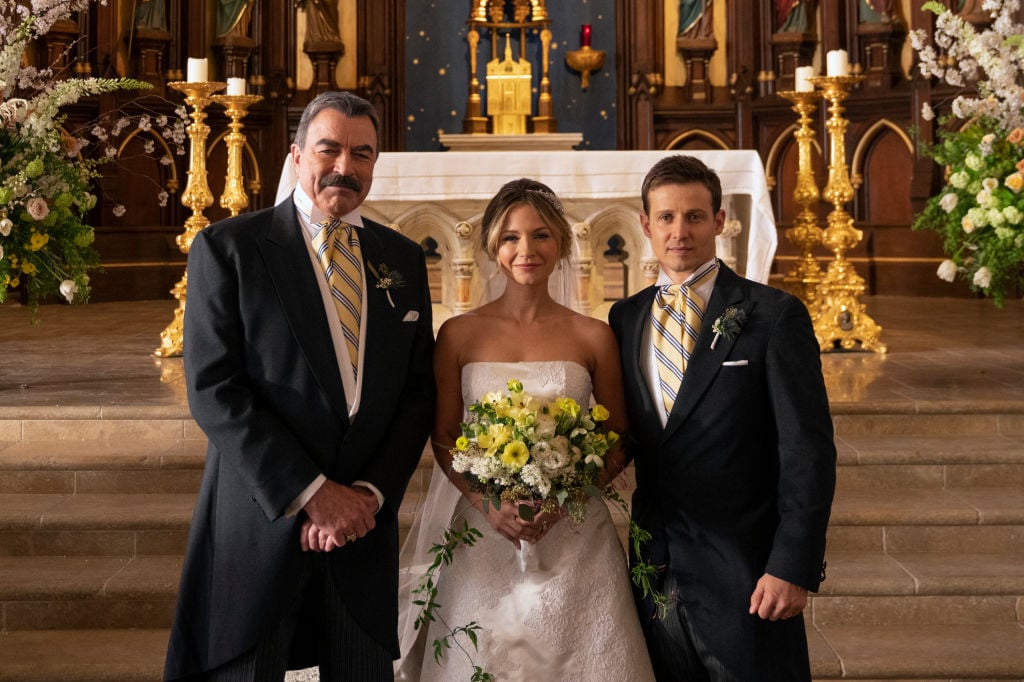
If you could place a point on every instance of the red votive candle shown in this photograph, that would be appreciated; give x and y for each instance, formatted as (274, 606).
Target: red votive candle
(585, 35)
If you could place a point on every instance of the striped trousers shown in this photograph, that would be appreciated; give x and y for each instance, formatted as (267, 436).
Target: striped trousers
(344, 652)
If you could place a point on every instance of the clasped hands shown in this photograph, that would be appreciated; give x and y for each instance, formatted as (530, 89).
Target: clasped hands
(337, 515)
(515, 528)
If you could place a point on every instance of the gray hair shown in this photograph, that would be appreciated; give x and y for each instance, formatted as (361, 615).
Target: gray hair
(344, 102)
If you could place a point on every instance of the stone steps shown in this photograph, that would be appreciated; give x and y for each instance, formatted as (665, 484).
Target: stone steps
(926, 559)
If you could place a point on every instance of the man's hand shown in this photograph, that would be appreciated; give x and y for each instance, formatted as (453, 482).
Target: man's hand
(776, 599)
(338, 514)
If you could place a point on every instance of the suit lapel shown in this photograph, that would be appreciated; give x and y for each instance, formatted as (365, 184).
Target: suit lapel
(705, 363)
(636, 323)
(289, 268)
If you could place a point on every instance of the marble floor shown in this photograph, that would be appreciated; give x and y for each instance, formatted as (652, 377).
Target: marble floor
(943, 355)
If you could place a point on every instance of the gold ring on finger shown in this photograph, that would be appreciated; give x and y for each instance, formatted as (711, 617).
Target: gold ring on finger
(351, 537)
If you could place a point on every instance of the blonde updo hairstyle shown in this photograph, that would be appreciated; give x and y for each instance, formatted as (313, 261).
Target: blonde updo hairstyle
(527, 192)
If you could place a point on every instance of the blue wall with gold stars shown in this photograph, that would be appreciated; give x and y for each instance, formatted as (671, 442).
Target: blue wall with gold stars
(437, 70)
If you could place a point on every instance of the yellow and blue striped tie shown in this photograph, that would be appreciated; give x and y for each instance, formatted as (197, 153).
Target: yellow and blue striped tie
(677, 314)
(341, 258)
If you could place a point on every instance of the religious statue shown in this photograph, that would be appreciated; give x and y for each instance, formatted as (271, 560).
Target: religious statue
(793, 16)
(877, 11)
(233, 17)
(322, 30)
(696, 20)
(151, 14)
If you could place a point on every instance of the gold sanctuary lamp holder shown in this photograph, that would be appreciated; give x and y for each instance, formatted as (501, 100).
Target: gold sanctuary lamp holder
(840, 318)
(235, 197)
(585, 60)
(806, 234)
(196, 196)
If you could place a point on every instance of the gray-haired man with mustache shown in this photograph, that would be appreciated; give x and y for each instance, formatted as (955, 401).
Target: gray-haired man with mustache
(312, 377)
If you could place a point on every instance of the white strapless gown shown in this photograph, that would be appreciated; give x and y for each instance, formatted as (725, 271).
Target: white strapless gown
(559, 610)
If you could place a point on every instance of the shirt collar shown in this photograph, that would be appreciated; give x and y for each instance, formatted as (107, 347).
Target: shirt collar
(665, 280)
(310, 215)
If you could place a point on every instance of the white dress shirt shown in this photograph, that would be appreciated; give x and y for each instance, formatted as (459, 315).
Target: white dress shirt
(309, 218)
(649, 366)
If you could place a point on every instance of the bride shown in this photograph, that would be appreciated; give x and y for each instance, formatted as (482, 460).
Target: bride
(552, 599)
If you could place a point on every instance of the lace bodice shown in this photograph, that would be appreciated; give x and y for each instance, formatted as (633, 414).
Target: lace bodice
(545, 380)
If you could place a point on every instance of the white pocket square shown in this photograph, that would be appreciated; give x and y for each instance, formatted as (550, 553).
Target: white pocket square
(735, 363)
(411, 316)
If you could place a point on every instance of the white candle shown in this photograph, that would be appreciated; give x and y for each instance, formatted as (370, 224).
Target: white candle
(803, 75)
(837, 63)
(197, 70)
(236, 86)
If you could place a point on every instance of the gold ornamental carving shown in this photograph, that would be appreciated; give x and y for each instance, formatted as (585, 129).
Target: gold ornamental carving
(841, 321)
(806, 234)
(509, 106)
(235, 198)
(197, 196)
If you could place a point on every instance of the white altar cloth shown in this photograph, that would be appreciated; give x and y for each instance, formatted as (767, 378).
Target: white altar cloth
(409, 177)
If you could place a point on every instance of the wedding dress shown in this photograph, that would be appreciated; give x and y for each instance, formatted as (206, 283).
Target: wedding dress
(557, 610)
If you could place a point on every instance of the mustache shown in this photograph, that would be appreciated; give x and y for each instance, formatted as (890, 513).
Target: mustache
(339, 180)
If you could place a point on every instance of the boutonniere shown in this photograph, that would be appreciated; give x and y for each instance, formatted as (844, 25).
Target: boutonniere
(728, 324)
(387, 279)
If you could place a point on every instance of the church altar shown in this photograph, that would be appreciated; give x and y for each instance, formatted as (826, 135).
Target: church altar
(438, 198)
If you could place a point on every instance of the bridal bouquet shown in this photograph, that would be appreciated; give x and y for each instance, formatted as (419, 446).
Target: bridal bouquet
(517, 449)
(46, 176)
(979, 213)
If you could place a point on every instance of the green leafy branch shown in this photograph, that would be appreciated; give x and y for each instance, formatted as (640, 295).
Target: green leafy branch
(642, 572)
(425, 596)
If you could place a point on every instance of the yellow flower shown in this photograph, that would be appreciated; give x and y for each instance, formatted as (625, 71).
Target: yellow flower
(612, 437)
(569, 407)
(28, 268)
(516, 455)
(37, 241)
(1015, 181)
(484, 441)
(599, 413)
(461, 443)
(515, 386)
(15, 282)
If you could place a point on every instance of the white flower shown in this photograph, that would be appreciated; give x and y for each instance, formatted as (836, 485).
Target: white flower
(947, 270)
(5, 226)
(37, 208)
(948, 201)
(595, 460)
(1, 253)
(68, 289)
(983, 277)
(118, 210)
(990, 183)
(927, 113)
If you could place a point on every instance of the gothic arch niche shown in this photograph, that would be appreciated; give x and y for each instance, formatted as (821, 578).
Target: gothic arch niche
(697, 139)
(614, 229)
(882, 168)
(433, 228)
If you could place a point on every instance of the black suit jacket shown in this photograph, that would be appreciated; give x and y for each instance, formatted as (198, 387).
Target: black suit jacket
(264, 385)
(740, 480)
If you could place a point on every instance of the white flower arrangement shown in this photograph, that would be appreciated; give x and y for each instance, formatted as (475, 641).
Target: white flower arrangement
(45, 174)
(980, 211)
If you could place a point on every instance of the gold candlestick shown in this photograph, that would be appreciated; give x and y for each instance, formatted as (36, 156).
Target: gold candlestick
(840, 317)
(235, 198)
(196, 196)
(806, 275)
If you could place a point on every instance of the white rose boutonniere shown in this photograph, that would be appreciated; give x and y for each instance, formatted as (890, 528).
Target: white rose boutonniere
(728, 324)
